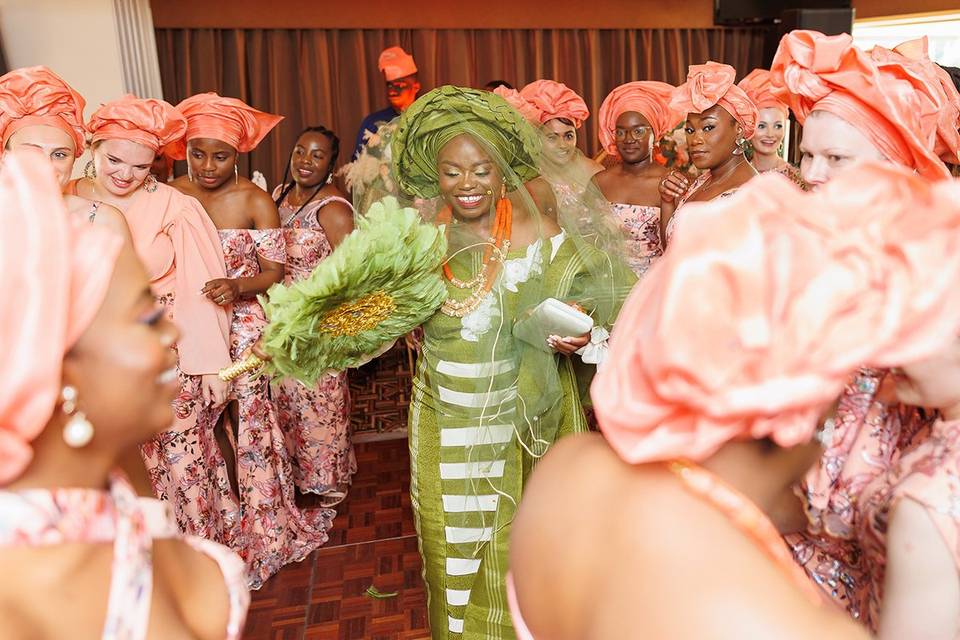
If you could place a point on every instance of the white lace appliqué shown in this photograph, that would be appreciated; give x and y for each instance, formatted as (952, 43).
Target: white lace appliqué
(514, 272)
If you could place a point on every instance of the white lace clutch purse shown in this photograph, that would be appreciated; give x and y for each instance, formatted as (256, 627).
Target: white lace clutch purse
(551, 318)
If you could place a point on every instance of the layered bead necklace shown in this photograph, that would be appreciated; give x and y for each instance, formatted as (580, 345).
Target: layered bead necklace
(494, 254)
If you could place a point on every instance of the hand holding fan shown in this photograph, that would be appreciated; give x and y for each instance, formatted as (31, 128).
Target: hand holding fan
(383, 281)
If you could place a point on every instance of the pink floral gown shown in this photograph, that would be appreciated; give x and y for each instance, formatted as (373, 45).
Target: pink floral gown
(273, 531)
(46, 517)
(642, 227)
(872, 434)
(316, 420)
(927, 471)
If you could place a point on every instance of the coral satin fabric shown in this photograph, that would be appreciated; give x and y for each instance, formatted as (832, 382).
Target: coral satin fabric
(226, 119)
(648, 98)
(180, 247)
(36, 95)
(54, 270)
(751, 324)
(893, 102)
(553, 99)
(713, 84)
(152, 123)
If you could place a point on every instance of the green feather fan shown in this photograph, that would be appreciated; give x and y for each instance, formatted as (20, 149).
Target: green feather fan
(383, 281)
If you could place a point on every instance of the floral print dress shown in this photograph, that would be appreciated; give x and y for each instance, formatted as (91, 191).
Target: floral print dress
(316, 420)
(872, 435)
(272, 531)
(46, 517)
(927, 471)
(642, 227)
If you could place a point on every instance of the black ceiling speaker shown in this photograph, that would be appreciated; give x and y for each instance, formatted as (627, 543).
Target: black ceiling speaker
(747, 12)
(828, 21)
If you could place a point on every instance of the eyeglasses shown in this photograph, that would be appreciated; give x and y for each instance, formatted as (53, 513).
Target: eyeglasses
(400, 85)
(637, 133)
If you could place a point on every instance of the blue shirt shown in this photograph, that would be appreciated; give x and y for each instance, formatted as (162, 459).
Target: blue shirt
(370, 123)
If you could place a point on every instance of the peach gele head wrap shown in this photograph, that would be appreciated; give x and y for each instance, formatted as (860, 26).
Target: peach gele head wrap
(913, 57)
(152, 123)
(750, 325)
(56, 298)
(758, 88)
(527, 109)
(648, 98)
(396, 63)
(37, 96)
(895, 107)
(713, 84)
(553, 99)
(226, 119)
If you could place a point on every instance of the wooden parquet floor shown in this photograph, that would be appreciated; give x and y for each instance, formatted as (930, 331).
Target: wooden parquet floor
(380, 392)
(372, 543)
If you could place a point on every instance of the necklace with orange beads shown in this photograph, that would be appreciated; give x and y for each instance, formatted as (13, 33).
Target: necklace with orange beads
(494, 254)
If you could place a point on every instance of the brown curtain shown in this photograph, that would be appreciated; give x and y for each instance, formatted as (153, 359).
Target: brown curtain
(330, 76)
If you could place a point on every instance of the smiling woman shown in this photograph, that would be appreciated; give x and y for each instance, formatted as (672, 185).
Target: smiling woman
(316, 216)
(41, 112)
(181, 251)
(490, 396)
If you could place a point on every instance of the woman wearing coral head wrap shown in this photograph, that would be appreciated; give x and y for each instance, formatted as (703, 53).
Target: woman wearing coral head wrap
(273, 531)
(767, 140)
(720, 117)
(495, 385)
(632, 119)
(88, 374)
(726, 360)
(558, 113)
(38, 110)
(181, 250)
(854, 107)
(890, 95)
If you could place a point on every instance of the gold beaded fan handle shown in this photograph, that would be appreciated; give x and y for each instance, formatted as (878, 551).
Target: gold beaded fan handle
(237, 369)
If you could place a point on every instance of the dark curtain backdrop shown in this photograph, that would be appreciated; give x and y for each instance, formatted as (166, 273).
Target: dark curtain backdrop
(330, 76)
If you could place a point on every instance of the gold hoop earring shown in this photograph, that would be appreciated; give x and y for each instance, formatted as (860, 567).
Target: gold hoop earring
(90, 170)
(78, 431)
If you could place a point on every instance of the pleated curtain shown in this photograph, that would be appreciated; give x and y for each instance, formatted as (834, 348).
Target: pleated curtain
(330, 76)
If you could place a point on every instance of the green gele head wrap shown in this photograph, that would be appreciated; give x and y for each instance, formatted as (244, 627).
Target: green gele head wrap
(447, 112)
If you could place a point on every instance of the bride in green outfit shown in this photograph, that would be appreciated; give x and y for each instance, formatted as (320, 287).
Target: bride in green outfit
(488, 403)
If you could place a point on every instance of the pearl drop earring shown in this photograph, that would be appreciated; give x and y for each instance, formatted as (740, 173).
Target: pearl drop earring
(78, 432)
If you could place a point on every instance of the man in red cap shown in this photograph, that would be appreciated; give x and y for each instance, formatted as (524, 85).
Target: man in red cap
(400, 73)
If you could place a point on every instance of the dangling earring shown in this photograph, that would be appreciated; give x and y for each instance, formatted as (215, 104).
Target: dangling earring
(330, 178)
(78, 432)
(503, 190)
(90, 170)
(741, 141)
(189, 173)
(236, 175)
(150, 184)
(780, 149)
